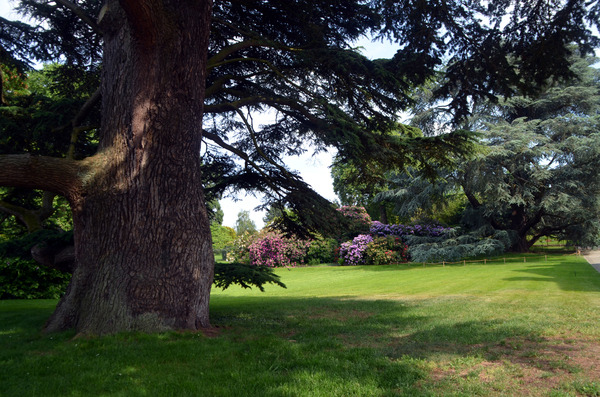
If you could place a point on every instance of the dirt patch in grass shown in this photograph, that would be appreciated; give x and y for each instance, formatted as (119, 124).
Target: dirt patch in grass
(211, 332)
(521, 367)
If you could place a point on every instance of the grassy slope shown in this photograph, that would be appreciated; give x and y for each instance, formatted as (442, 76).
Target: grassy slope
(372, 331)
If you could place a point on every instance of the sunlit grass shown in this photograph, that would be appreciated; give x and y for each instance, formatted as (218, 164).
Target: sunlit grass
(338, 331)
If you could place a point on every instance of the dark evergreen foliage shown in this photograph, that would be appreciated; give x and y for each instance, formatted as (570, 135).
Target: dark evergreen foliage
(296, 59)
(537, 173)
(21, 277)
(244, 275)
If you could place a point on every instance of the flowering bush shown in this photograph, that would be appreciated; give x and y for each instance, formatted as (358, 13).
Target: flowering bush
(352, 252)
(269, 248)
(377, 252)
(385, 250)
(380, 229)
(239, 249)
(366, 250)
(359, 219)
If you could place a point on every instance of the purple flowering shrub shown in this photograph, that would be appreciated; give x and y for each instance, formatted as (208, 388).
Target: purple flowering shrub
(269, 248)
(380, 229)
(352, 252)
(366, 250)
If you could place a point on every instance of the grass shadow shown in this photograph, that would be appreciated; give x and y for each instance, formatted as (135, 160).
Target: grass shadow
(579, 277)
(268, 347)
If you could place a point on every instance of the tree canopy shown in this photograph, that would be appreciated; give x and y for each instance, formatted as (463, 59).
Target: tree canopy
(295, 61)
(535, 176)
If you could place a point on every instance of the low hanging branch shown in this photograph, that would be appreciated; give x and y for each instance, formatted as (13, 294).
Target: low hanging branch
(241, 154)
(61, 176)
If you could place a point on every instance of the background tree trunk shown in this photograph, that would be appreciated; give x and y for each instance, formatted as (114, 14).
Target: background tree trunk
(143, 250)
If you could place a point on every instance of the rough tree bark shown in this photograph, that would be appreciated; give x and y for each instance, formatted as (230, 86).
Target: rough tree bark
(143, 256)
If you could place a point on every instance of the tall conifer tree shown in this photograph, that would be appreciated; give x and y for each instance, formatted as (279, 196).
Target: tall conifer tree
(143, 257)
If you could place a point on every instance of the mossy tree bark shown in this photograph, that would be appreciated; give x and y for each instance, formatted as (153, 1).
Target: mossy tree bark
(143, 255)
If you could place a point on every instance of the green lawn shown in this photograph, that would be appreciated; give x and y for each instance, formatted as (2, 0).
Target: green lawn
(497, 329)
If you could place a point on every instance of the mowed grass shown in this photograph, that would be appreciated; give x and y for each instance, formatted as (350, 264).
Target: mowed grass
(497, 329)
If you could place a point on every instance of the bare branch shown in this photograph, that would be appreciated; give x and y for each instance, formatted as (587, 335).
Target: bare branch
(259, 150)
(225, 52)
(241, 154)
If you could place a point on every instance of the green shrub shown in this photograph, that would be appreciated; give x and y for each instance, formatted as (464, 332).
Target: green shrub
(321, 250)
(222, 236)
(385, 250)
(25, 279)
(22, 278)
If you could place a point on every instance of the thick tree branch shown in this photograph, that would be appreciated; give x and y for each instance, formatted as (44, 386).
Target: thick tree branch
(47, 208)
(25, 216)
(61, 176)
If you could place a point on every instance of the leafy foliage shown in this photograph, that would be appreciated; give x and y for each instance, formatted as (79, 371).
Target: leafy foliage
(222, 236)
(537, 172)
(215, 212)
(540, 175)
(244, 275)
(321, 250)
(244, 224)
(21, 277)
(427, 230)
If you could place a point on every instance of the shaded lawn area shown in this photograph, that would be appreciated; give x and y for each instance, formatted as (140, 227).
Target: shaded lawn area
(515, 329)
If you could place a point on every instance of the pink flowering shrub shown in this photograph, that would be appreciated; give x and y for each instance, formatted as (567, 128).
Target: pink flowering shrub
(359, 221)
(269, 248)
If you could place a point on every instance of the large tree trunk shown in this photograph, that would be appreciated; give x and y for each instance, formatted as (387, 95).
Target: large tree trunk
(143, 247)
